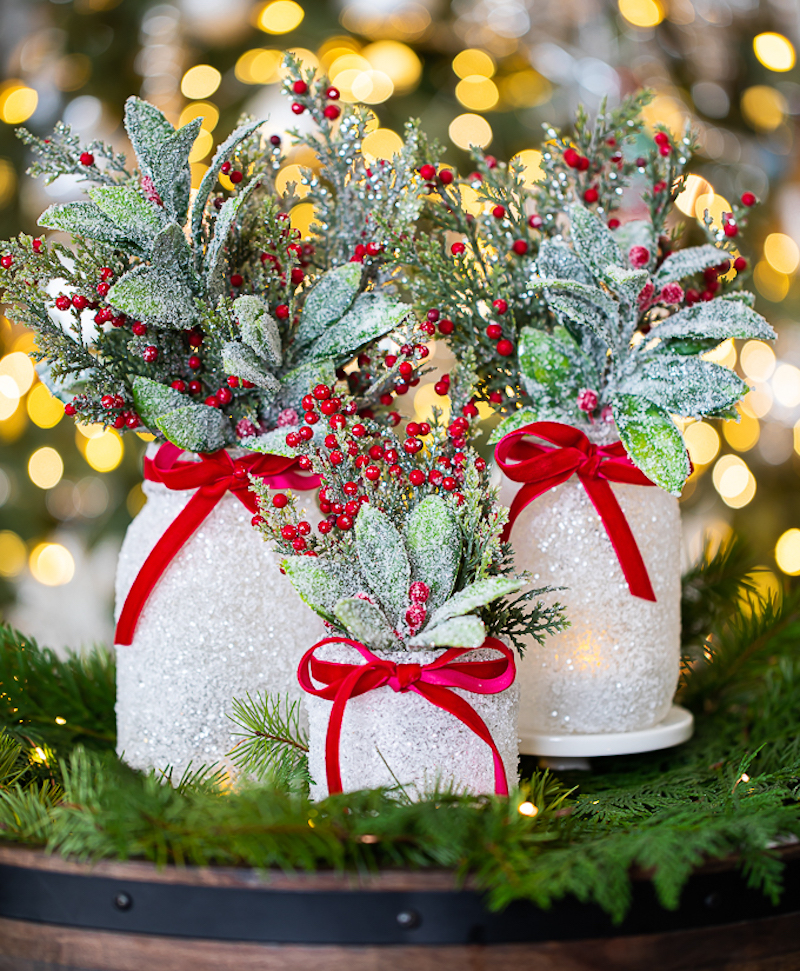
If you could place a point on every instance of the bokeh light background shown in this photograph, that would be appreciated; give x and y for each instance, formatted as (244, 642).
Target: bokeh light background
(475, 71)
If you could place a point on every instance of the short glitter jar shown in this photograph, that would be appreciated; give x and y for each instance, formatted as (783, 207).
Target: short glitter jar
(615, 669)
(401, 739)
(222, 622)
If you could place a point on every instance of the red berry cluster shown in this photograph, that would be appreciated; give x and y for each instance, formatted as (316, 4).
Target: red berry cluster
(287, 255)
(305, 100)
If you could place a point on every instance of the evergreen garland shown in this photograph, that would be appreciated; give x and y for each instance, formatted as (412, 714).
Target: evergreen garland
(734, 789)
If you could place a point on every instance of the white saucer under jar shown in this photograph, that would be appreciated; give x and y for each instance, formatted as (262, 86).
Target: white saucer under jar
(221, 622)
(615, 669)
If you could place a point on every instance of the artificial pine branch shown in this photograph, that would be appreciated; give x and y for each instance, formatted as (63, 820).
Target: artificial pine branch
(272, 746)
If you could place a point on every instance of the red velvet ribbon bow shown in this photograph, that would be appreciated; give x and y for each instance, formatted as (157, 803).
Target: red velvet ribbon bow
(540, 468)
(433, 681)
(215, 474)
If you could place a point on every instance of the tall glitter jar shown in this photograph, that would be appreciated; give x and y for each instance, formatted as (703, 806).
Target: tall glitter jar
(402, 740)
(615, 669)
(221, 622)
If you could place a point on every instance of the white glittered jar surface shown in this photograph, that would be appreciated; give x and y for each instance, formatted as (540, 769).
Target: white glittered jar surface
(615, 669)
(393, 738)
(221, 622)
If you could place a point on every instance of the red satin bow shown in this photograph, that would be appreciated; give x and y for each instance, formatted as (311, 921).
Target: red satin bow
(433, 681)
(215, 474)
(541, 468)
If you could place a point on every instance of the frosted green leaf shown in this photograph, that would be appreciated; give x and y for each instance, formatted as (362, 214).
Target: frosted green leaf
(476, 595)
(215, 263)
(243, 362)
(128, 208)
(556, 261)
(300, 380)
(147, 129)
(258, 329)
(627, 283)
(687, 386)
(433, 542)
(652, 441)
(171, 174)
(518, 420)
(552, 367)
(372, 315)
(365, 622)
(209, 180)
(150, 294)
(595, 312)
(457, 632)
(328, 301)
(593, 240)
(171, 252)
(383, 560)
(688, 262)
(315, 583)
(85, 219)
(743, 296)
(716, 320)
(636, 232)
(272, 443)
(153, 400)
(197, 428)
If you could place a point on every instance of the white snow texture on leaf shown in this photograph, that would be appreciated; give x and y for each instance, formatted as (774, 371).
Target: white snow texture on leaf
(433, 542)
(153, 399)
(686, 386)
(372, 316)
(717, 320)
(687, 262)
(196, 428)
(518, 420)
(456, 632)
(476, 595)
(128, 208)
(243, 362)
(328, 301)
(258, 329)
(316, 585)
(593, 240)
(365, 622)
(652, 440)
(383, 560)
(86, 219)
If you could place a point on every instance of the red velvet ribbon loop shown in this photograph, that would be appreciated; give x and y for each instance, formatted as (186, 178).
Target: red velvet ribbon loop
(433, 681)
(542, 467)
(215, 474)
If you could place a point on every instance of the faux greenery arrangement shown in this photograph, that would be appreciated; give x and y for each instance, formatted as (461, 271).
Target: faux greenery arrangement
(566, 314)
(201, 318)
(731, 791)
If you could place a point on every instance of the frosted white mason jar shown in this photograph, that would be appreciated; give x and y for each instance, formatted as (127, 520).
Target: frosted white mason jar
(615, 669)
(394, 739)
(221, 622)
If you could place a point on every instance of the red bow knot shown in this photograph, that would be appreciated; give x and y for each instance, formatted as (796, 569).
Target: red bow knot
(541, 467)
(215, 474)
(433, 681)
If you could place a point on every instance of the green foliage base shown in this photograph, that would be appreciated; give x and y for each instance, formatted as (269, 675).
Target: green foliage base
(734, 789)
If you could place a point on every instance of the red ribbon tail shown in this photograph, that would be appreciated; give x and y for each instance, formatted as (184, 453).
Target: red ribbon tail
(169, 545)
(621, 536)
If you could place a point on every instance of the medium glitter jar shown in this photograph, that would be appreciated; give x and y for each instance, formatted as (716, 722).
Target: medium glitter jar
(221, 622)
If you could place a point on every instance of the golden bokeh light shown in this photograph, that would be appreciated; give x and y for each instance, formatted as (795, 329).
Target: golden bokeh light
(200, 109)
(44, 410)
(764, 107)
(8, 182)
(642, 13)
(723, 354)
(291, 173)
(308, 60)
(787, 552)
(13, 554)
(702, 443)
(771, 284)
(528, 809)
(474, 61)
(280, 16)
(17, 102)
(525, 89)
(301, 217)
(372, 87)
(467, 130)
(781, 252)
(426, 399)
(667, 110)
(713, 203)
(9, 397)
(775, 51)
(198, 171)
(45, 467)
(531, 161)
(744, 434)
(758, 360)
(397, 61)
(200, 81)
(259, 66)
(734, 481)
(51, 564)
(381, 143)
(796, 437)
(19, 367)
(477, 93)
(758, 402)
(786, 385)
(202, 145)
(694, 187)
(104, 453)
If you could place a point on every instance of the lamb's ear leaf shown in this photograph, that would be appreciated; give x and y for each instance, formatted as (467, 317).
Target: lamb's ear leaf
(172, 176)
(147, 128)
(366, 623)
(476, 595)
(130, 210)
(557, 261)
(328, 301)
(518, 420)
(258, 329)
(148, 294)
(383, 560)
(300, 380)
(371, 316)
(243, 362)
(716, 320)
(688, 262)
(462, 631)
(196, 428)
(686, 386)
(433, 541)
(593, 240)
(215, 262)
(153, 399)
(209, 180)
(316, 585)
(652, 441)
(85, 219)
